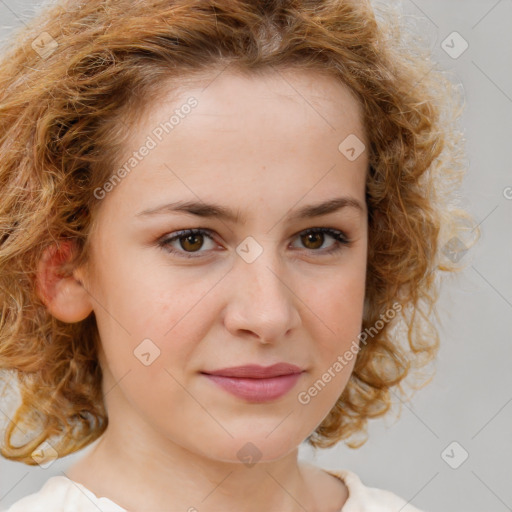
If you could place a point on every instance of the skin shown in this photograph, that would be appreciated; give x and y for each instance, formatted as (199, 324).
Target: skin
(265, 148)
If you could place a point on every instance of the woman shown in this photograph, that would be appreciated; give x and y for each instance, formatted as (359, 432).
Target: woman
(213, 215)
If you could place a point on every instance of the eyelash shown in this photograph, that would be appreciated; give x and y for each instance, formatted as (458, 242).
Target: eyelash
(340, 238)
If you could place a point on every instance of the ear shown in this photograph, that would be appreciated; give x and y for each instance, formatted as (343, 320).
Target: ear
(64, 296)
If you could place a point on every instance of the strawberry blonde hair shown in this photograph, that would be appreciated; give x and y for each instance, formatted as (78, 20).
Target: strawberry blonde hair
(65, 115)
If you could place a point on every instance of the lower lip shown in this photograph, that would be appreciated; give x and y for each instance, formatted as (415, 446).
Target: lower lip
(257, 390)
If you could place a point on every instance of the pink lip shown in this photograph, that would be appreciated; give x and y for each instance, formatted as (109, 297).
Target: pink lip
(257, 383)
(255, 371)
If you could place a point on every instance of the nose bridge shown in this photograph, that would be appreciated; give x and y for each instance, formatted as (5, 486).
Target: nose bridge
(261, 269)
(263, 301)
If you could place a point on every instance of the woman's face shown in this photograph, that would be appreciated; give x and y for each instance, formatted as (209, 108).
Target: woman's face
(255, 290)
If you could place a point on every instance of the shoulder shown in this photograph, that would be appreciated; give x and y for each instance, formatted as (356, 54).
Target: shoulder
(60, 494)
(369, 499)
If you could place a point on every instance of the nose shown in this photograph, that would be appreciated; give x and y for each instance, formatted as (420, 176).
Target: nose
(262, 303)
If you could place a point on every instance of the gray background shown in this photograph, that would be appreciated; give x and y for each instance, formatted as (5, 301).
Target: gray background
(469, 399)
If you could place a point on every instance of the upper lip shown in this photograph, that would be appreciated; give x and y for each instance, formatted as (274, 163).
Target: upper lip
(256, 371)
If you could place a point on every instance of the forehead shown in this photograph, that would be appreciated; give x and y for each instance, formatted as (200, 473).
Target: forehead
(229, 100)
(275, 133)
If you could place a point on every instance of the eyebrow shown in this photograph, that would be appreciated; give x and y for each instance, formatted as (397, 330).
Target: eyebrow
(202, 209)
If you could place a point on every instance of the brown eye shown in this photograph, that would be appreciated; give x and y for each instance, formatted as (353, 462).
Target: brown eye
(316, 240)
(191, 242)
(313, 239)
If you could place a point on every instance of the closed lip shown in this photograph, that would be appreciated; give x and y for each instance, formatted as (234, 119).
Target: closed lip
(254, 371)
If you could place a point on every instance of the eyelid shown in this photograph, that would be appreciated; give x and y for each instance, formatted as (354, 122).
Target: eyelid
(339, 236)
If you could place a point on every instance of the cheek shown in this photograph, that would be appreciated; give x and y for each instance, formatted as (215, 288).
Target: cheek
(337, 312)
(150, 297)
(171, 310)
(338, 304)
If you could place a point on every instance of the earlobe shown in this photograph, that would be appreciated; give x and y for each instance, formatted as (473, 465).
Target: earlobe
(64, 295)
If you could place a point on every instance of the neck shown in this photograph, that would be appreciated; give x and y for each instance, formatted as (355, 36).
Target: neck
(145, 477)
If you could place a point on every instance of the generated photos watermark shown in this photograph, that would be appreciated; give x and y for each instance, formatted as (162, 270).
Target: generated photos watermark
(150, 143)
(304, 397)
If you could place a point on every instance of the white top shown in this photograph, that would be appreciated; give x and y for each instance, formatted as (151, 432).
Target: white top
(60, 494)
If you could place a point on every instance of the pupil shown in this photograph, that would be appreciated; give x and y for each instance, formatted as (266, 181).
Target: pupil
(191, 238)
(312, 236)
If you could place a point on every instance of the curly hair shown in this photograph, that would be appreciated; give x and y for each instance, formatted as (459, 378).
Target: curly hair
(79, 70)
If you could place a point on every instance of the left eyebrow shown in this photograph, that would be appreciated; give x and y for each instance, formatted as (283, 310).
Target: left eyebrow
(202, 209)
